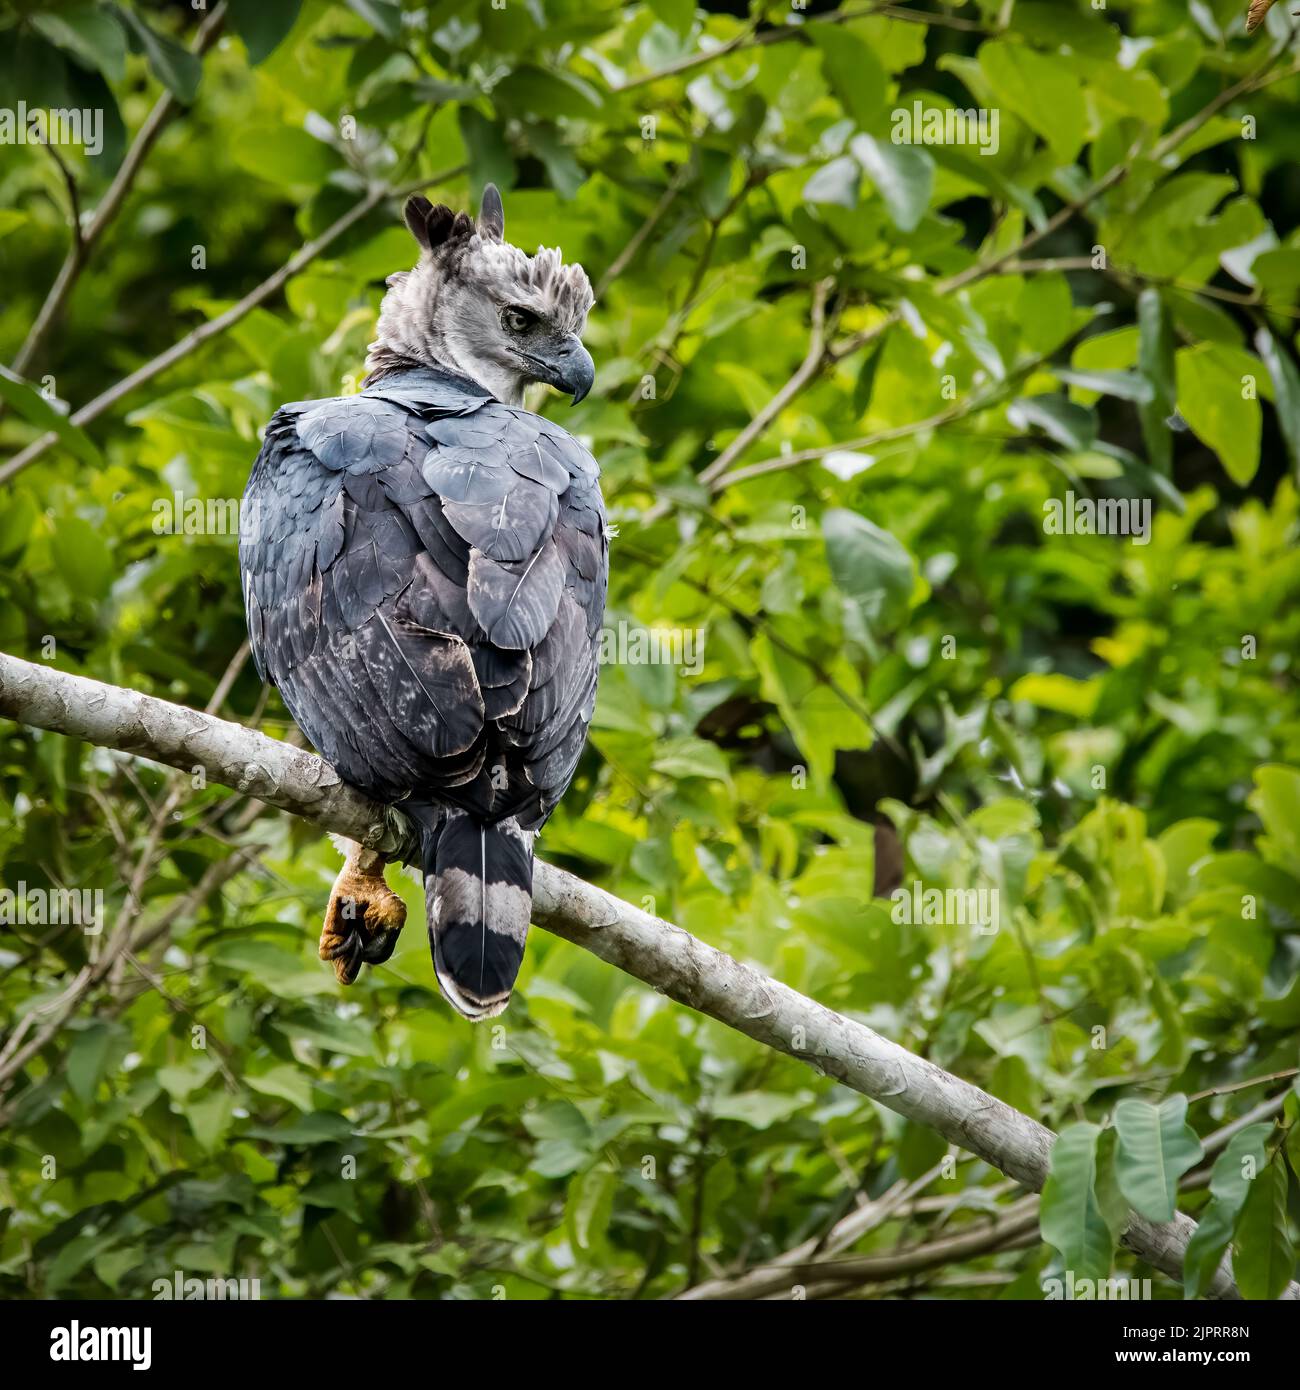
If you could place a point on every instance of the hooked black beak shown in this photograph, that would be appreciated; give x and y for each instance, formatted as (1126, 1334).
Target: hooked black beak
(569, 368)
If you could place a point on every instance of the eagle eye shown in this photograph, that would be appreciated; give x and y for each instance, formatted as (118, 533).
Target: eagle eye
(518, 320)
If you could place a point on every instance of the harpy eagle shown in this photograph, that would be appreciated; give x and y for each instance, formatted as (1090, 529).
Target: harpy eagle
(424, 568)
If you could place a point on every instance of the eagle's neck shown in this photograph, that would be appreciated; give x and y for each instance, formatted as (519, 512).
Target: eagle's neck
(383, 359)
(420, 324)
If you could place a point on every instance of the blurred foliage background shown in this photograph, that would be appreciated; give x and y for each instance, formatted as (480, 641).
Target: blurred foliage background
(905, 677)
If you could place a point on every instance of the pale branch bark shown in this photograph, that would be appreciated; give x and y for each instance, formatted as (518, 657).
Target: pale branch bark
(662, 955)
(774, 1274)
(958, 411)
(803, 374)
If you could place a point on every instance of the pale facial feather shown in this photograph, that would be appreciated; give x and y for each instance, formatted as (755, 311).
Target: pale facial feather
(447, 310)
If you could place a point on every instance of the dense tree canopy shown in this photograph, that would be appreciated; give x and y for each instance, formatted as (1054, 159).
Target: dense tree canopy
(871, 407)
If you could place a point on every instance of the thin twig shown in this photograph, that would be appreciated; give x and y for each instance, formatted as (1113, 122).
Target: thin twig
(213, 328)
(109, 205)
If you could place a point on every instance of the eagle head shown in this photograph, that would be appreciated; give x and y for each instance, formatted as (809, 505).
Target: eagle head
(481, 307)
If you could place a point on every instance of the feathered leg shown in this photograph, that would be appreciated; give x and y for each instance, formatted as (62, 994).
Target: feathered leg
(364, 915)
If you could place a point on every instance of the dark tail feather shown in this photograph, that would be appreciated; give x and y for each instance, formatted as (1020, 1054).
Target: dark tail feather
(478, 888)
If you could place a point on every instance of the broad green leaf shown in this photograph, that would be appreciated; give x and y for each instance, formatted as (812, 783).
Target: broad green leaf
(90, 34)
(1071, 1218)
(868, 565)
(283, 1082)
(86, 1060)
(853, 71)
(590, 1204)
(33, 406)
(490, 160)
(83, 557)
(541, 93)
(903, 176)
(1263, 1258)
(319, 1127)
(385, 16)
(692, 757)
(1276, 800)
(173, 65)
(1230, 1183)
(1206, 1248)
(1060, 418)
(263, 24)
(1040, 90)
(1156, 1147)
(1213, 386)
(1156, 363)
(759, 1109)
(835, 182)
(1286, 390)
(210, 1116)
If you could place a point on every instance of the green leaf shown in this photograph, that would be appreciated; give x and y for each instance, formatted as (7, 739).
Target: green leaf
(489, 155)
(89, 34)
(590, 1205)
(17, 518)
(1125, 386)
(759, 1109)
(1276, 800)
(1230, 1183)
(678, 15)
(1205, 1249)
(869, 565)
(1071, 1218)
(350, 1036)
(537, 92)
(174, 66)
(210, 1117)
(32, 406)
(283, 1082)
(1286, 391)
(384, 16)
(185, 1077)
(835, 182)
(1264, 1258)
(1041, 91)
(903, 176)
(263, 24)
(83, 557)
(86, 1060)
(31, 70)
(320, 1127)
(692, 757)
(1156, 363)
(1211, 400)
(853, 72)
(1156, 1147)
(1060, 418)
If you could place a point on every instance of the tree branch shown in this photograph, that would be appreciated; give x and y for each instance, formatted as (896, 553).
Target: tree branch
(662, 955)
(213, 328)
(721, 473)
(83, 239)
